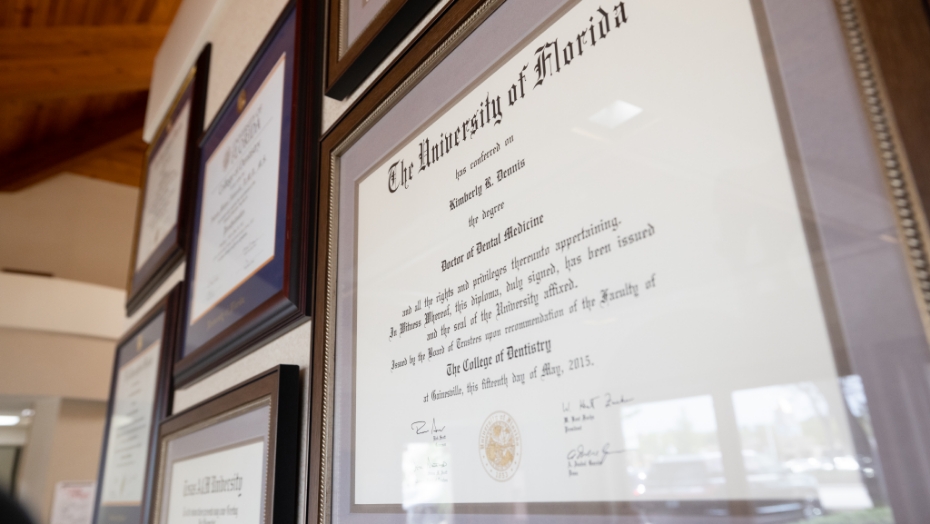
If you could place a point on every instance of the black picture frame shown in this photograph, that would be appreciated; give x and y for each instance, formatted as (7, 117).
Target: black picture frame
(246, 317)
(166, 312)
(168, 254)
(866, 341)
(347, 65)
(277, 388)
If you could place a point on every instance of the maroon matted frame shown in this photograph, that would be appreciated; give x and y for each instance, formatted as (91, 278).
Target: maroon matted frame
(291, 304)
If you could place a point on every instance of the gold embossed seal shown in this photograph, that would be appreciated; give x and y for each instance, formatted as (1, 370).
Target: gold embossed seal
(500, 446)
(241, 101)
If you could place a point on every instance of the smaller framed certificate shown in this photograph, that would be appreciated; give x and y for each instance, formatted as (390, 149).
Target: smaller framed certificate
(247, 267)
(140, 397)
(232, 458)
(164, 199)
(361, 33)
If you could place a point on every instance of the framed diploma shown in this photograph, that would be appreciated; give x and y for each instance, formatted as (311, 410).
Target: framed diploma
(168, 172)
(361, 33)
(247, 269)
(232, 458)
(627, 261)
(140, 397)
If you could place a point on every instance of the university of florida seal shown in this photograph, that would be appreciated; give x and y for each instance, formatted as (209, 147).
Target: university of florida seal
(500, 446)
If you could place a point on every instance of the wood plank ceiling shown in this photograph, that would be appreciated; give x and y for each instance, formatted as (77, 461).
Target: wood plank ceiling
(74, 76)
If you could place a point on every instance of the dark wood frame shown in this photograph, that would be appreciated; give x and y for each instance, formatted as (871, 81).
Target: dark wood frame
(291, 304)
(896, 33)
(900, 37)
(170, 306)
(348, 67)
(282, 385)
(197, 80)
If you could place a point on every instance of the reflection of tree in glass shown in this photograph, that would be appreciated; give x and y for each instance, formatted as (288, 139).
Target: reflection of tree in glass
(827, 423)
(863, 437)
(683, 438)
(673, 447)
(810, 433)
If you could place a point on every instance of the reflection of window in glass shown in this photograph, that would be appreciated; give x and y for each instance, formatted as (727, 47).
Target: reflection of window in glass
(863, 438)
(672, 448)
(797, 442)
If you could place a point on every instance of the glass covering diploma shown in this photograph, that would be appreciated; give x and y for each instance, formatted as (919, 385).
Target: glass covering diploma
(570, 250)
(244, 272)
(220, 487)
(232, 459)
(240, 197)
(163, 187)
(128, 442)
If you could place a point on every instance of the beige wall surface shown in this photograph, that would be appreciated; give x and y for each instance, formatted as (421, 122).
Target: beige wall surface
(13, 436)
(34, 469)
(75, 452)
(61, 306)
(71, 226)
(55, 365)
(64, 444)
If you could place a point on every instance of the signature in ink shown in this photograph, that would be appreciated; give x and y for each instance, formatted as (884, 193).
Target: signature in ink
(419, 427)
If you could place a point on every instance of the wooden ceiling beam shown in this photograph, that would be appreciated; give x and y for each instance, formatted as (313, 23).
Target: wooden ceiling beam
(55, 62)
(90, 140)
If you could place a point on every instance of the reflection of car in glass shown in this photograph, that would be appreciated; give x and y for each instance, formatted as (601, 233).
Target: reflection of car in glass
(697, 485)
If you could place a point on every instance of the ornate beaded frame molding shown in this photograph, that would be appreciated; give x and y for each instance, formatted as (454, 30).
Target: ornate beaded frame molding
(909, 213)
(343, 27)
(325, 476)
